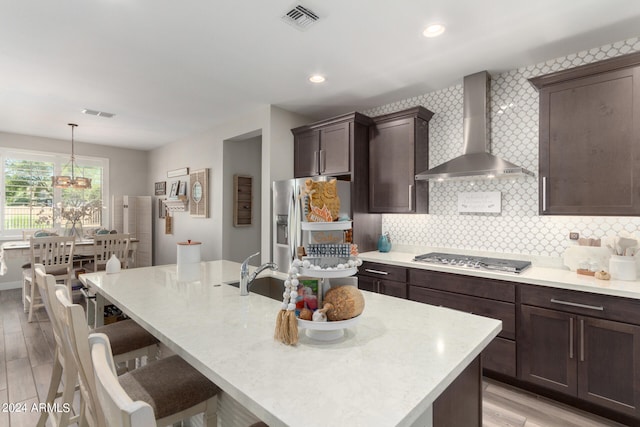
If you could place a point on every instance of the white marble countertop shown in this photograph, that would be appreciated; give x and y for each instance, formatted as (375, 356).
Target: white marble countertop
(534, 275)
(386, 371)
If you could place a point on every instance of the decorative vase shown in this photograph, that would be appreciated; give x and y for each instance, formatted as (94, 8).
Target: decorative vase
(74, 229)
(384, 243)
(113, 265)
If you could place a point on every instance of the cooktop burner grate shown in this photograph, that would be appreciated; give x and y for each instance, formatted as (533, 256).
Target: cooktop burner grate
(481, 263)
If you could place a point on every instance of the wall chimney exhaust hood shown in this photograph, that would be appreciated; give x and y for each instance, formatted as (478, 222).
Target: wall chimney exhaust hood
(476, 160)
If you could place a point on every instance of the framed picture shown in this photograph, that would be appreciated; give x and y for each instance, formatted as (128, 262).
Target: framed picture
(161, 188)
(182, 189)
(178, 172)
(162, 210)
(174, 189)
(199, 194)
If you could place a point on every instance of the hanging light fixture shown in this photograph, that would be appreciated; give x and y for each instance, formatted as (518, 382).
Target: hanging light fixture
(65, 181)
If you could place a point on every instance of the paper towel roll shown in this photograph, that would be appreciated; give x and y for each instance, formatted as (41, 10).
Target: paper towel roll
(189, 252)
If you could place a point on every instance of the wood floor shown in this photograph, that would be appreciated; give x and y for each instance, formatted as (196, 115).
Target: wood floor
(26, 357)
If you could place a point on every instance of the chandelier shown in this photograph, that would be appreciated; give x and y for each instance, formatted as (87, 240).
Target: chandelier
(65, 181)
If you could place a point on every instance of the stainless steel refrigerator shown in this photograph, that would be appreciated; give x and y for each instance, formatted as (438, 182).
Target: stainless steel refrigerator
(287, 214)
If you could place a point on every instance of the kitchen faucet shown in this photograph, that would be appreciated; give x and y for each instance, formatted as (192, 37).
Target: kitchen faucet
(245, 279)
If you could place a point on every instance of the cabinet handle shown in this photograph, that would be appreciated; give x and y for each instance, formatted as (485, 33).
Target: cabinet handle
(582, 340)
(544, 194)
(316, 162)
(575, 304)
(368, 270)
(571, 338)
(323, 161)
(411, 197)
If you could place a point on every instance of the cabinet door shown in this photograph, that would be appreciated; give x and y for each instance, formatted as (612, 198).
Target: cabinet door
(589, 145)
(547, 349)
(609, 364)
(392, 166)
(306, 152)
(391, 288)
(334, 155)
(367, 283)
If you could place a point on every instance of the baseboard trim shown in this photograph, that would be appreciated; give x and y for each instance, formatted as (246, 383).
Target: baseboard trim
(10, 285)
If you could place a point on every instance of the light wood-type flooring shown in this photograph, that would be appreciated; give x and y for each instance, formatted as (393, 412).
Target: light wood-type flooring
(26, 357)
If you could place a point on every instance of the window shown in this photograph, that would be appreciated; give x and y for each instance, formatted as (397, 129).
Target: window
(30, 201)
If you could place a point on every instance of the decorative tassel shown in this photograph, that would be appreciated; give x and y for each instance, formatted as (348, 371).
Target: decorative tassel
(286, 330)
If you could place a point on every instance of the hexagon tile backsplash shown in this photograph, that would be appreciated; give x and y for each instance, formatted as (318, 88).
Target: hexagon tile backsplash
(518, 229)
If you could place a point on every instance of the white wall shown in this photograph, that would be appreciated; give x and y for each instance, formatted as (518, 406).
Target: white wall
(206, 150)
(128, 173)
(242, 157)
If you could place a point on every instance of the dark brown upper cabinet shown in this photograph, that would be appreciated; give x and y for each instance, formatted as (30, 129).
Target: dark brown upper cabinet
(398, 149)
(590, 139)
(327, 147)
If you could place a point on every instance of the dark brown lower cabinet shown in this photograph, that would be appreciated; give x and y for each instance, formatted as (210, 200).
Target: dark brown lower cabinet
(382, 286)
(596, 360)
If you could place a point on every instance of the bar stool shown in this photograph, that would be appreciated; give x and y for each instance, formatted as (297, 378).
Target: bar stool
(171, 388)
(133, 343)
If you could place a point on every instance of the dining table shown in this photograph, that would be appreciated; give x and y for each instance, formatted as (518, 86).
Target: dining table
(387, 369)
(20, 249)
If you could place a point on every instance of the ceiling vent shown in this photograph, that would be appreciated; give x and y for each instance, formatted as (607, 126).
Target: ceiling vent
(300, 17)
(97, 113)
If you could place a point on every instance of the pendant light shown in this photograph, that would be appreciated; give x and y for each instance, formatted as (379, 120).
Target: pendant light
(65, 181)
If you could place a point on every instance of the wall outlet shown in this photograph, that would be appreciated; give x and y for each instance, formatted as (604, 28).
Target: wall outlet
(574, 235)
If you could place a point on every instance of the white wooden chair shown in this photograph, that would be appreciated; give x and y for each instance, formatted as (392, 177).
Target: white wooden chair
(175, 389)
(105, 245)
(156, 397)
(56, 255)
(134, 343)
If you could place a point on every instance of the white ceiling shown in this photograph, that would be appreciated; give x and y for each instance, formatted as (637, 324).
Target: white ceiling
(170, 69)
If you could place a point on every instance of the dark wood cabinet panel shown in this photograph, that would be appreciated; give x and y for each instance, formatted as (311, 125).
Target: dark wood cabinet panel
(327, 147)
(594, 359)
(398, 149)
(461, 403)
(483, 307)
(609, 364)
(306, 146)
(383, 271)
(546, 349)
(335, 153)
(383, 279)
(590, 139)
(500, 357)
(468, 285)
(584, 303)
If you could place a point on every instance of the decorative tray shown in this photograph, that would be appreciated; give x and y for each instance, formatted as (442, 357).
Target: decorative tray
(327, 331)
(325, 273)
(325, 226)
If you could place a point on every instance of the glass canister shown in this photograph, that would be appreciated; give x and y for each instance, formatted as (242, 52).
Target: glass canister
(384, 243)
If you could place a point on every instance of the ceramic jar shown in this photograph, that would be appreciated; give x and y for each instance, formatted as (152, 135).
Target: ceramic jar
(622, 267)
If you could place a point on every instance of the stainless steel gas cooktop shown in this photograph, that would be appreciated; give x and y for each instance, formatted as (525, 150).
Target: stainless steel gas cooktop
(477, 262)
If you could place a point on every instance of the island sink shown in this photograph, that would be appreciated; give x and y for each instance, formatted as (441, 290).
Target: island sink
(270, 287)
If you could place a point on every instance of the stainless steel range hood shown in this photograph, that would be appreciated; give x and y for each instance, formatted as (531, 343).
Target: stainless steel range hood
(476, 160)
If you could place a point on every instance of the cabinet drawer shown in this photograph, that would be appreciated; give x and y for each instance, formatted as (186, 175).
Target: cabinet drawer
(500, 356)
(468, 285)
(588, 304)
(383, 271)
(483, 307)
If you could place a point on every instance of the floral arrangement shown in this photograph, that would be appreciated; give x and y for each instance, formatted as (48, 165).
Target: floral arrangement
(70, 213)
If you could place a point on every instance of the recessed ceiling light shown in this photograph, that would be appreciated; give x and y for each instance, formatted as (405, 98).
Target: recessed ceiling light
(433, 30)
(316, 78)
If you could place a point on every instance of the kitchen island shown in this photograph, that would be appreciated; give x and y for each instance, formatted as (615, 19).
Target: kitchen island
(387, 370)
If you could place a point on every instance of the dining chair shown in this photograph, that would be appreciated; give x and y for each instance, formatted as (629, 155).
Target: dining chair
(133, 343)
(171, 388)
(105, 245)
(56, 255)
